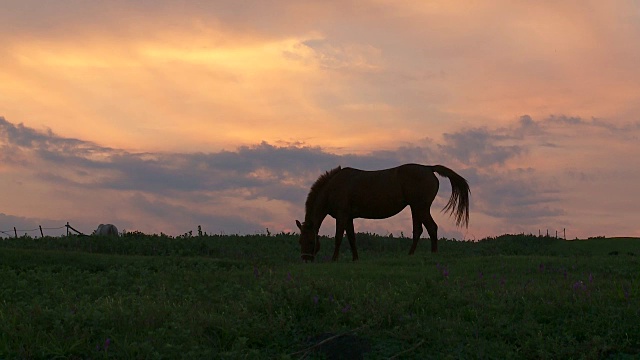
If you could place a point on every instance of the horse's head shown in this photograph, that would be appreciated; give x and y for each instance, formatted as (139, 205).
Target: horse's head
(309, 244)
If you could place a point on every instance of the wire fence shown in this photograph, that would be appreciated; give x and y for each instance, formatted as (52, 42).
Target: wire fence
(564, 234)
(14, 232)
(71, 231)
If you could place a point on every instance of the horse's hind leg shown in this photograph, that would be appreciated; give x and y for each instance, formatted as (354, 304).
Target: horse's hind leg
(417, 229)
(424, 218)
(432, 229)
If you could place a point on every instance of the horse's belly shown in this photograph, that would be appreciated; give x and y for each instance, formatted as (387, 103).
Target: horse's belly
(373, 210)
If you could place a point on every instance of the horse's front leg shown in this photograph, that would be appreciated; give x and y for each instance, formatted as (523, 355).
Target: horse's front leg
(339, 235)
(351, 235)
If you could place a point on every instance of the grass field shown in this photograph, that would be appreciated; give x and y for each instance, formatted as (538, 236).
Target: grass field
(250, 297)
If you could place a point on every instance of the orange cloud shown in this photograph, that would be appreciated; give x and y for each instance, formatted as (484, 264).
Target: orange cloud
(353, 79)
(146, 87)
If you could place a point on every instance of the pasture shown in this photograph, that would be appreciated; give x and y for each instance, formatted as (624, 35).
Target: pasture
(250, 297)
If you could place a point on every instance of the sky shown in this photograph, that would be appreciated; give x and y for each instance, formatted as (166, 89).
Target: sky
(159, 116)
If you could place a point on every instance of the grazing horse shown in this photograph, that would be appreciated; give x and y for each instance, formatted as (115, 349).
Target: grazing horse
(347, 193)
(106, 230)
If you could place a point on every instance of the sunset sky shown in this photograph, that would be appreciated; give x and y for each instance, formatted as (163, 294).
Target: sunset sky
(160, 116)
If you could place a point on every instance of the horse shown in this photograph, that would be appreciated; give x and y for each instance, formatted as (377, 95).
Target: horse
(106, 230)
(348, 193)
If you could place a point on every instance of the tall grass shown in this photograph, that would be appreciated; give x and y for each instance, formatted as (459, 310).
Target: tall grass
(235, 297)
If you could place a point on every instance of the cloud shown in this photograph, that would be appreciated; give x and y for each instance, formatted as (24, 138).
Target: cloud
(250, 102)
(264, 169)
(264, 185)
(235, 76)
(479, 147)
(517, 196)
(526, 126)
(625, 131)
(345, 57)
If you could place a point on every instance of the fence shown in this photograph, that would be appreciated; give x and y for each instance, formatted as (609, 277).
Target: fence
(69, 228)
(564, 233)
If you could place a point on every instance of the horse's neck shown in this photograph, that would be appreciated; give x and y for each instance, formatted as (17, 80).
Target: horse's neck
(316, 214)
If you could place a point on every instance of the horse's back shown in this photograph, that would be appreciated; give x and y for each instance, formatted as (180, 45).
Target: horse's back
(106, 230)
(418, 181)
(381, 193)
(403, 176)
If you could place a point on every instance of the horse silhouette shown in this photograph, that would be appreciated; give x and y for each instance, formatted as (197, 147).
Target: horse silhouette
(347, 193)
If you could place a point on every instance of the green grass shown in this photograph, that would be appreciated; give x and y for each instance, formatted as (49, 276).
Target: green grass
(233, 297)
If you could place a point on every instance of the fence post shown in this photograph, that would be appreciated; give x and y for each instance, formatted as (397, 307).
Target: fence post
(67, 228)
(41, 234)
(15, 231)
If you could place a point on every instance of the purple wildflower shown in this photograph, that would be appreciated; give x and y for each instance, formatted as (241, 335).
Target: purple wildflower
(289, 277)
(590, 277)
(316, 299)
(541, 267)
(256, 273)
(106, 344)
(346, 308)
(481, 275)
(579, 285)
(503, 281)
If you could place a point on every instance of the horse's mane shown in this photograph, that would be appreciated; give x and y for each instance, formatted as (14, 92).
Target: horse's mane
(317, 186)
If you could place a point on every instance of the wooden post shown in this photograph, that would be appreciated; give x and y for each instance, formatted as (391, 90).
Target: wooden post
(41, 234)
(69, 227)
(15, 231)
(564, 232)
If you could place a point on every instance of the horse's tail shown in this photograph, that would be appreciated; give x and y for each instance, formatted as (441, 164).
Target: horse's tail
(458, 204)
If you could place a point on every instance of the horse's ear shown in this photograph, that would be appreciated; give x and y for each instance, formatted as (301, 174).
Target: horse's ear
(299, 225)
